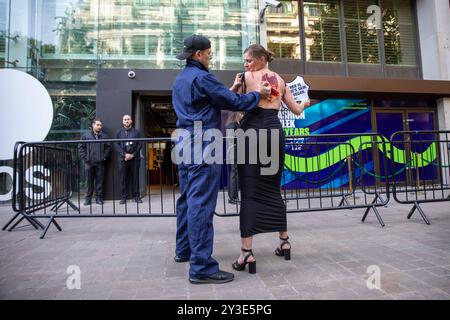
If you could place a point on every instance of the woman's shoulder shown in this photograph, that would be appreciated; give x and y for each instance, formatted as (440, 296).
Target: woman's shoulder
(273, 73)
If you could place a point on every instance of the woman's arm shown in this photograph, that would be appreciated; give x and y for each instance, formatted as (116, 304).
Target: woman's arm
(296, 108)
(237, 85)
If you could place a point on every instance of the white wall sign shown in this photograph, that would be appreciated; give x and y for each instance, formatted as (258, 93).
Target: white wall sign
(26, 110)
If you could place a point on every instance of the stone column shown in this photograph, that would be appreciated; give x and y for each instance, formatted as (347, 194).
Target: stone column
(443, 107)
(434, 34)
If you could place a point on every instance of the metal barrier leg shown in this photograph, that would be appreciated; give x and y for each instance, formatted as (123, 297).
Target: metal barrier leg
(15, 224)
(381, 198)
(57, 225)
(59, 205)
(344, 199)
(10, 221)
(368, 208)
(380, 220)
(52, 220)
(365, 214)
(72, 205)
(417, 206)
(35, 222)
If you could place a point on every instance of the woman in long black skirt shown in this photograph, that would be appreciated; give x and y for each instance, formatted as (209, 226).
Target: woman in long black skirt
(262, 207)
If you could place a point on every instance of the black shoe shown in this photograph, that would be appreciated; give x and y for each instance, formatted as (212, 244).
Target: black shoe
(180, 259)
(122, 201)
(99, 201)
(219, 277)
(241, 266)
(138, 200)
(282, 251)
(87, 201)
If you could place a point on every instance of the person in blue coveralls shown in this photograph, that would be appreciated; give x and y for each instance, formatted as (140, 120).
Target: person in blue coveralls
(198, 96)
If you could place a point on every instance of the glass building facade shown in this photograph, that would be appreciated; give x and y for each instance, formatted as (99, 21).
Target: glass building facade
(64, 42)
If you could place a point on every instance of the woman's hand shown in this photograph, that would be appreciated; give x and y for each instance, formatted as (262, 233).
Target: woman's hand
(264, 89)
(306, 103)
(237, 82)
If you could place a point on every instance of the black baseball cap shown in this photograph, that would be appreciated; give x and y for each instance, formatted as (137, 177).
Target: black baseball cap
(192, 44)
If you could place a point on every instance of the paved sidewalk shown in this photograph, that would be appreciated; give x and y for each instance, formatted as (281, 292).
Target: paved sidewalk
(331, 251)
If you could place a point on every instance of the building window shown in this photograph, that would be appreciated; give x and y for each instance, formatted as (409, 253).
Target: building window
(139, 33)
(150, 33)
(322, 31)
(72, 116)
(3, 31)
(399, 32)
(283, 37)
(68, 28)
(361, 39)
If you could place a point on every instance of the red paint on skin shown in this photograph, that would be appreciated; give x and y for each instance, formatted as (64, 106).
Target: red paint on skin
(273, 83)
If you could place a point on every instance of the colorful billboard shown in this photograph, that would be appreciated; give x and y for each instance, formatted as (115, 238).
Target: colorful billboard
(330, 116)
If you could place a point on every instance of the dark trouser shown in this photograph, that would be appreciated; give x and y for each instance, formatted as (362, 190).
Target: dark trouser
(199, 186)
(233, 182)
(129, 170)
(95, 171)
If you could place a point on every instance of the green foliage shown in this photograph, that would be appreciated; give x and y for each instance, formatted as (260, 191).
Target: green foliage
(72, 116)
(325, 35)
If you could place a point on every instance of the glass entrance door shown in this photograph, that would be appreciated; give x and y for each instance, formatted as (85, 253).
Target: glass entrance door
(404, 154)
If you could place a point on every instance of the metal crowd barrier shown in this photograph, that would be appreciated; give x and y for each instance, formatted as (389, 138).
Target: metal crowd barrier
(50, 183)
(335, 171)
(321, 172)
(36, 189)
(426, 178)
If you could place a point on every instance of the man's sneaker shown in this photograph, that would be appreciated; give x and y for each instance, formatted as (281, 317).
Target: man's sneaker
(122, 201)
(99, 201)
(87, 201)
(138, 200)
(219, 277)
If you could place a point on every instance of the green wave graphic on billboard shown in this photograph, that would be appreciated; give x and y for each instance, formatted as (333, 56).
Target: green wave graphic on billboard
(357, 144)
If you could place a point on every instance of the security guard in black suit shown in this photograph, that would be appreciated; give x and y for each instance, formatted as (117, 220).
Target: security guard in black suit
(129, 159)
(94, 156)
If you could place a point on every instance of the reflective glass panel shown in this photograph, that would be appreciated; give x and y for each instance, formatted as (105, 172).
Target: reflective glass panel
(283, 37)
(322, 37)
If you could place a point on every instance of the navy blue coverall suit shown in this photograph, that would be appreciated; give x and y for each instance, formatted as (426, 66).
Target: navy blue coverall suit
(198, 96)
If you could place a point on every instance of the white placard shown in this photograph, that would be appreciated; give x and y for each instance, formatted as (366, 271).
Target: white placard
(299, 89)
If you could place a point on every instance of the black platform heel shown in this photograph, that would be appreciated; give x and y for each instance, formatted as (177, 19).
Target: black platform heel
(241, 266)
(286, 253)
